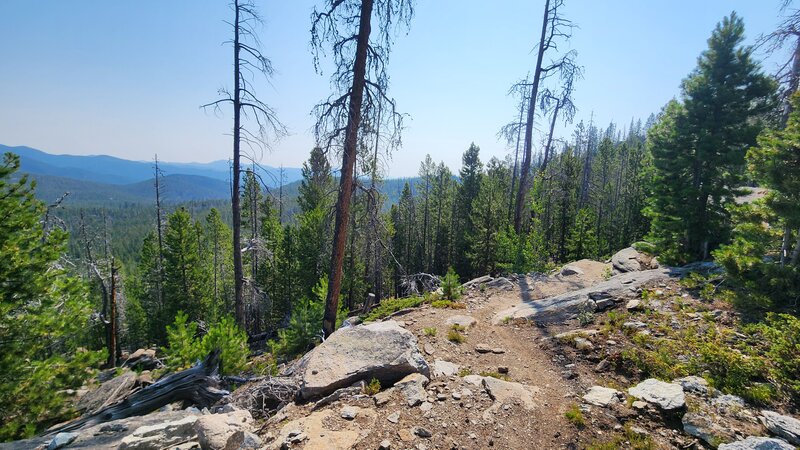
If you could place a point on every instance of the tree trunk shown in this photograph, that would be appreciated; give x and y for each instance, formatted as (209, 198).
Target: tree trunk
(348, 163)
(516, 162)
(528, 155)
(112, 319)
(796, 251)
(238, 272)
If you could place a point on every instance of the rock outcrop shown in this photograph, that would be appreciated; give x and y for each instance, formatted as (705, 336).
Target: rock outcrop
(382, 350)
(667, 396)
(626, 260)
(757, 443)
(784, 426)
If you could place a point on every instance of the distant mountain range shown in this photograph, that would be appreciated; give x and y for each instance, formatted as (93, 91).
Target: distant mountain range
(102, 178)
(105, 180)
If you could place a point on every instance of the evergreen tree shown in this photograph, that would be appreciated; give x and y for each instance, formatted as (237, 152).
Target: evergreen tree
(470, 175)
(43, 314)
(488, 217)
(699, 145)
(185, 274)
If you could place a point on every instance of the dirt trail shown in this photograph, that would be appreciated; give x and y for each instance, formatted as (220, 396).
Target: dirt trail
(460, 415)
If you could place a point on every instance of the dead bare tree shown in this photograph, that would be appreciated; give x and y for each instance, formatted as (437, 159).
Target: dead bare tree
(555, 28)
(247, 107)
(360, 83)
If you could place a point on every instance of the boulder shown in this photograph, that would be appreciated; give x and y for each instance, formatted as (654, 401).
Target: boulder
(380, 350)
(702, 426)
(697, 385)
(243, 440)
(784, 426)
(626, 260)
(460, 320)
(634, 305)
(667, 396)
(108, 393)
(444, 369)
(571, 270)
(214, 430)
(758, 443)
(413, 388)
(161, 435)
(602, 396)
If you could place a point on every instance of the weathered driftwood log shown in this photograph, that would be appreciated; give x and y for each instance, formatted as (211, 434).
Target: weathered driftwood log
(198, 385)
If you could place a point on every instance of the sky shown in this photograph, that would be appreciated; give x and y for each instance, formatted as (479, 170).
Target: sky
(127, 78)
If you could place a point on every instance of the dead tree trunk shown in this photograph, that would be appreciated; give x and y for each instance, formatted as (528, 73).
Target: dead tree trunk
(348, 163)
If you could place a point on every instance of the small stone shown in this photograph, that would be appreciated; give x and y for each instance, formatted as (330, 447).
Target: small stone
(638, 404)
(583, 344)
(456, 395)
(383, 397)
(466, 392)
(405, 435)
(601, 396)
(634, 305)
(349, 413)
(394, 417)
(602, 366)
(502, 369)
(498, 351)
(243, 440)
(668, 396)
(61, 440)
(422, 432)
(385, 445)
(694, 384)
(296, 439)
(426, 406)
(483, 348)
(429, 349)
(441, 397)
(611, 342)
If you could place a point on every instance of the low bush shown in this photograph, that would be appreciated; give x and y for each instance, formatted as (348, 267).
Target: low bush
(392, 305)
(455, 337)
(575, 416)
(184, 347)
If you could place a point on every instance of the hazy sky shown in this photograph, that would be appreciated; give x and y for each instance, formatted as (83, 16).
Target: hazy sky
(126, 78)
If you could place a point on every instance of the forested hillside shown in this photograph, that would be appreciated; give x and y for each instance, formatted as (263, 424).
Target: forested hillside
(191, 265)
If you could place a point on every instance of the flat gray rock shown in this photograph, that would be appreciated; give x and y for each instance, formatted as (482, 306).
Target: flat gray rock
(667, 396)
(786, 427)
(601, 396)
(444, 369)
(380, 350)
(758, 443)
(461, 320)
(697, 385)
(568, 304)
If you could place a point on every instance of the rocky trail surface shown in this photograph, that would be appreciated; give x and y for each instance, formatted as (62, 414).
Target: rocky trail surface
(514, 366)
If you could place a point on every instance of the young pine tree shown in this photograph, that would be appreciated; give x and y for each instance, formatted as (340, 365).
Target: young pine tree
(699, 143)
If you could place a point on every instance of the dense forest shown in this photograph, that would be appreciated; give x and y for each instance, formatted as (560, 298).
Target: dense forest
(277, 274)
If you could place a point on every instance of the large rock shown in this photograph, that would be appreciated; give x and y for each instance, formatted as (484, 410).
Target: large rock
(380, 350)
(667, 396)
(214, 430)
(626, 260)
(784, 426)
(477, 281)
(702, 426)
(602, 396)
(108, 393)
(500, 283)
(162, 435)
(61, 440)
(758, 443)
(563, 306)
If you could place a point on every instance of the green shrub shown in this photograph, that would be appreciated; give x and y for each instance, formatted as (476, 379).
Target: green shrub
(644, 247)
(779, 336)
(455, 337)
(575, 416)
(231, 340)
(184, 347)
(451, 286)
(373, 387)
(457, 327)
(429, 331)
(498, 375)
(392, 305)
(305, 325)
(464, 371)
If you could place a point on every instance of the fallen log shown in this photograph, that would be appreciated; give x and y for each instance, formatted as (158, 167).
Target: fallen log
(197, 385)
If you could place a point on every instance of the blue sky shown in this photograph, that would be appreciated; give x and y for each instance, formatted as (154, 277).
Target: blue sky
(127, 78)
